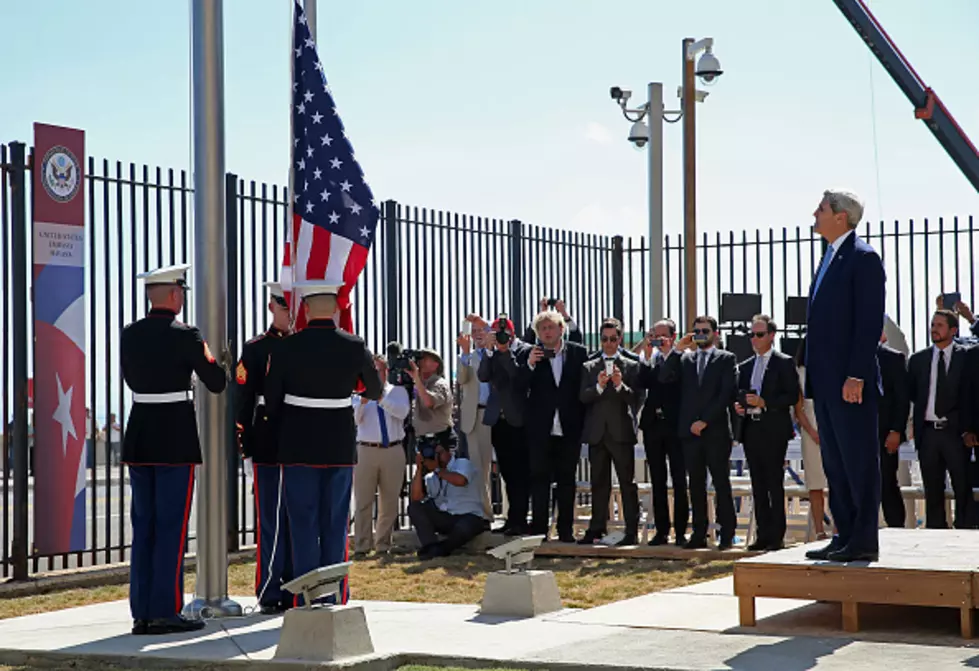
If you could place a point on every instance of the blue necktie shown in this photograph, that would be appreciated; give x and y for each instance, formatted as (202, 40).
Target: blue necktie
(823, 267)
(382, 421)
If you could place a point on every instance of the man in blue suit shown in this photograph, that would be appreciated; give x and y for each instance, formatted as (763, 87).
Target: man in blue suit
(846, 316)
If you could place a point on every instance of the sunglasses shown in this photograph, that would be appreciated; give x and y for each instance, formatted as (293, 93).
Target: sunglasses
(759, 334)
(702, 331)
(610, 338)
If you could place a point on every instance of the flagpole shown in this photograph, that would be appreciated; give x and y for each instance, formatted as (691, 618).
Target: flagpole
(210, 280)
(309, 6)
(290, 228)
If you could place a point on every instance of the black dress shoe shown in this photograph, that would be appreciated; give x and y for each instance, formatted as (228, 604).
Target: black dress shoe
(566, 538)
(590, 538)
(758, 546)
(139, 627)
(514, 531)
(272, 609)
(775, 547)
(696, 543)
(172, 625)
(630, 539)
(725, 544)
(659, 540)
(822, 554)
(848, 555)
(680, 541)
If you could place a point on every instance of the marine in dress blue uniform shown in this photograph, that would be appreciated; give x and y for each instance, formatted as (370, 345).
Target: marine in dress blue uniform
(308, 388)
(161, 447)
(257, 441)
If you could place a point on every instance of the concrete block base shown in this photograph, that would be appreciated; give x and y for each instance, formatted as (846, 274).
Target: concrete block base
(522, 594)
(324, 634)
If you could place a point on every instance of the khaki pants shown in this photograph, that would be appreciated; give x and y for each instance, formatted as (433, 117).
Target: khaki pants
(378, 469)
(480, 444)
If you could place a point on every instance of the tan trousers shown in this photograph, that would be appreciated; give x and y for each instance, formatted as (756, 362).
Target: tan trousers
(382, 470)
(480, 445)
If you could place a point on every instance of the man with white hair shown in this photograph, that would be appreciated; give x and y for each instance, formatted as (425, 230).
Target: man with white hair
(845, 320)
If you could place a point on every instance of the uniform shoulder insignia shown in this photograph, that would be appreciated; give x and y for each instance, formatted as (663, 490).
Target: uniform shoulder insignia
(241, 374)
(207, 353)
(260, 336)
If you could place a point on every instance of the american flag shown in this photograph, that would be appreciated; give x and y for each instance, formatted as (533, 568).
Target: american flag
(334, 215)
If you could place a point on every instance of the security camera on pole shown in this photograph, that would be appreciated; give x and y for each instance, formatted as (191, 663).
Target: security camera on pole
(641, 134)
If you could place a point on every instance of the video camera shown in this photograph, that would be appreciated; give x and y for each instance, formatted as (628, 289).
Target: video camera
(399, 364)
(502, 335)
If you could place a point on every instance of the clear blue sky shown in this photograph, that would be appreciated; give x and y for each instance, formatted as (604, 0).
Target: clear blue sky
(502, 108)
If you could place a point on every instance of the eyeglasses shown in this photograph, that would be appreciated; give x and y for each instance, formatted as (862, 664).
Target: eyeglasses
(702, 331)
(760, 334)
(610, 338)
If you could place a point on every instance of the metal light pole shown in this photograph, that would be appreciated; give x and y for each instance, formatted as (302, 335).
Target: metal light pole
(689, 107)
(654, 115)
(210, 275)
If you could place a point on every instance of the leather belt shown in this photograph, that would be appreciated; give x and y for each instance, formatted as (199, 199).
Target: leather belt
(393, 443)
(480, 407)
(169, 397)
(259, 400)
(321, 403)
(939, 425)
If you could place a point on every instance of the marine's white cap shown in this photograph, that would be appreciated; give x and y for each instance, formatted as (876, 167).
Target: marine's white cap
(167, 275)
(308, 288)
(275, 290)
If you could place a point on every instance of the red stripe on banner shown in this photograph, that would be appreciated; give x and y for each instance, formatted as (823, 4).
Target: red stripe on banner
(319, 254)
(183, 539)
(258, 530)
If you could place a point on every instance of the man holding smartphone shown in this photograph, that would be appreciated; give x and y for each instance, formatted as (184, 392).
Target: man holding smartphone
(608, 391)
(707, 378)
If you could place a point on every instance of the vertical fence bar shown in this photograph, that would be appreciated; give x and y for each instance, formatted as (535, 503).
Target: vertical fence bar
(617, 284)
(515, 310)
(18, 201)
(5, 365)
(392, 256)
(234, 252)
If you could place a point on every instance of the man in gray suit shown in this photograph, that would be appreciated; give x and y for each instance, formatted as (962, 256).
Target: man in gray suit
(472, 408)
(608, 386)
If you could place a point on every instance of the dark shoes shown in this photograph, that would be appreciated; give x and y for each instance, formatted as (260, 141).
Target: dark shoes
(591, 537)
(725, 544)
(758, 546)
(823, 553)
(659, 540)
(628, 540)
(566, 538)
(432, 551)
(274, 608)
(696, 543)
(167, 625)
(848, 555)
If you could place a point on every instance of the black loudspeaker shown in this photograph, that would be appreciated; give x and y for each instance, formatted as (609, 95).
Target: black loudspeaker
(790, 345)
(795, 310)
(740, 307)
(740, 346)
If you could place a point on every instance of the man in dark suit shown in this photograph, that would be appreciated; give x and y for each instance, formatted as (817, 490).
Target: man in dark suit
(845, 320)
(505, 415)
(935, 380)
(608, 390)
(892, 422)
(660, 438)
(571, 331)
(768, 385)
(311, 378)
(707, 377)
(551, 374)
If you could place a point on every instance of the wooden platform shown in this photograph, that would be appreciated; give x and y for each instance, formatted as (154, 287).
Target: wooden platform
(917, 567)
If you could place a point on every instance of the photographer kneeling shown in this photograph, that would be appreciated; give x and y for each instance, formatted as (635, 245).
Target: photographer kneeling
(445, 498)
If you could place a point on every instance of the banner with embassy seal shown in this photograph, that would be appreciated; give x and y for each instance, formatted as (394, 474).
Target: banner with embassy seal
(61, 427)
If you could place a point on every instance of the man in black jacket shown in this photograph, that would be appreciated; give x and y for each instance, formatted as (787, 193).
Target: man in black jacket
(311, 378)
(892, 422)
(941, 421)
(608, 390)
(768, 387)
(571, 331)
(505, 415)
(257, 441)
(162, 449)
(708, 381)
(551, 374)
(660, 438)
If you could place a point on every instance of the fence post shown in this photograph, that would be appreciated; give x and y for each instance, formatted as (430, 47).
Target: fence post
(231, 235)
(18, 271)
(618, 257)
(516, 276)
(392, 272)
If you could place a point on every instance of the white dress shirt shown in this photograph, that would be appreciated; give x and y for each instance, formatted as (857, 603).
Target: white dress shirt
(933, 380)
(396, 406)
(557, 368)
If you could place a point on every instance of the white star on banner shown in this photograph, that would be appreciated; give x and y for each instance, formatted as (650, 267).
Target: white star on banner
(62, 415)
(364, 232)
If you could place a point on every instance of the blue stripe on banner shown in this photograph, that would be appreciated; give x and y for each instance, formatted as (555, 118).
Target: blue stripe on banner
(60, 286)
(78, 520)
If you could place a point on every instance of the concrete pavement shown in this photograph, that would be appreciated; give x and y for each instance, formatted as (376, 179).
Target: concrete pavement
(692, 628)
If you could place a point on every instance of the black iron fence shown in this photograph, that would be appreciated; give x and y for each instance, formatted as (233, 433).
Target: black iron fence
(427, 270)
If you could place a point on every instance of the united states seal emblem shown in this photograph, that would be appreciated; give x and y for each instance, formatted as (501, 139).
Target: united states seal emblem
(60, 174)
